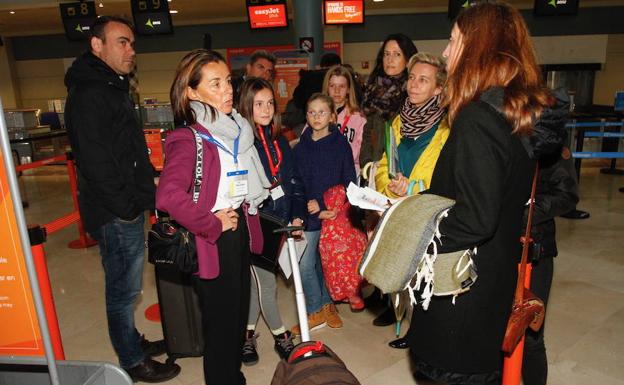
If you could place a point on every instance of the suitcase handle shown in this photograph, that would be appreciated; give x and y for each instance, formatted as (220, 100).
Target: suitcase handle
(288, 230)
(317, 348)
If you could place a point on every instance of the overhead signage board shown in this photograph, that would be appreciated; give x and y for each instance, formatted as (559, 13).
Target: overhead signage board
(78, 18)
(555, 7)
(267, 14)
(343, 12)
(151, 17)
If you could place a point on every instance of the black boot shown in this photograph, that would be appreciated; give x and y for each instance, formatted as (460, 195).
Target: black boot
(153, 348)
(153, 371)
(249, 353)
(576, 214)
(386, 318)
(284, 344)
(399, 343)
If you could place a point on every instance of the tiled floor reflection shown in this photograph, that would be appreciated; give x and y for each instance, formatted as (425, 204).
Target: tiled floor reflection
(585, 322)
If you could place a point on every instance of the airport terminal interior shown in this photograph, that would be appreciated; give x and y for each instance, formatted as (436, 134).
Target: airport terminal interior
(584, 331)
(584, 324)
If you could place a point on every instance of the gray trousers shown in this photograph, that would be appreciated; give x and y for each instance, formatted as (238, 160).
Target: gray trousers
(264, 299)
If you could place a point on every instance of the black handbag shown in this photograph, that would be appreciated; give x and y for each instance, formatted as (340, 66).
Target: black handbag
(169, 244)
(272, 242)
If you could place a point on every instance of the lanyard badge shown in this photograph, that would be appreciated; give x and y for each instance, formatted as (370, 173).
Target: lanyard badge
(276, 189)
(237, 179)
(273, 167)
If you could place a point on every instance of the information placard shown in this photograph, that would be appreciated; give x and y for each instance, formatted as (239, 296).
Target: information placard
(20, 334)
(343, 12)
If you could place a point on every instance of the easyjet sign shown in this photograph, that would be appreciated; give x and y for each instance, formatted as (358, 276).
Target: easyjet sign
(268, 16)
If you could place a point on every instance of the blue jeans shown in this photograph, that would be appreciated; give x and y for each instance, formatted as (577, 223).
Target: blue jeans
(312, 278)
(122, 247)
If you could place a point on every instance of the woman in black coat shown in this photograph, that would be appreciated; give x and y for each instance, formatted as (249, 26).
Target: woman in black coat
(494, 93)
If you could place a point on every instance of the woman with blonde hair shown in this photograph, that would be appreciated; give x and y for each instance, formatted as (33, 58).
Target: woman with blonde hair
(419, 130)
(494, 94)
(340, 86)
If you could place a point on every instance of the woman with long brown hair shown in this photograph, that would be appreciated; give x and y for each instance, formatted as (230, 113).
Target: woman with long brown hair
(494, 93)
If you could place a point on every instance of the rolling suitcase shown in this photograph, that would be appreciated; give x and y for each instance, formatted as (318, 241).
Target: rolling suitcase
(310, 362)
(180, 314)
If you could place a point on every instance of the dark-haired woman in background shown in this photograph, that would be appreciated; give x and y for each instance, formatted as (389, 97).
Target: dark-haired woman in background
(223, 218)
(385, 92)
(494, 94)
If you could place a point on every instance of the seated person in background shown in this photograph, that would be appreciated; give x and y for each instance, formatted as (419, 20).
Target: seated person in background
(261, 65)
(419, 130)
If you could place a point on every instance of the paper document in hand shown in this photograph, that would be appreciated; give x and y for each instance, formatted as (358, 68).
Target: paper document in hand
(367, 198)
(283, 258)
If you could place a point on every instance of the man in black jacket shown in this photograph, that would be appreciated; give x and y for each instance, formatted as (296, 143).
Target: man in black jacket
(115, 184)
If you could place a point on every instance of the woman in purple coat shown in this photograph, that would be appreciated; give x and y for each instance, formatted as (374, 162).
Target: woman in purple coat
(223, 218)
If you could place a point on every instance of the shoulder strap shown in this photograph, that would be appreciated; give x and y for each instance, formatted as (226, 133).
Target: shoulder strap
(526, 240)
(197, 179)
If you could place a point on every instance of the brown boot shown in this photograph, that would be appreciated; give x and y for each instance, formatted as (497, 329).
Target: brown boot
(315, 321)
(331, 315)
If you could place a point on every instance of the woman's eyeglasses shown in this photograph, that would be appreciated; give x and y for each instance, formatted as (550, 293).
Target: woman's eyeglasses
(320, 114)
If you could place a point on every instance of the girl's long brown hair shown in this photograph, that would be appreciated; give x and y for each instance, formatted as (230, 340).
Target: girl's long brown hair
(248, 91)
(340, 70)
(188, 74)
(497, 51)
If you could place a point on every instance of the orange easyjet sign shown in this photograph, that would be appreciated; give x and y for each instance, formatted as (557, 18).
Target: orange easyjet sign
(19, 334)
(268, 16)
(344, 12)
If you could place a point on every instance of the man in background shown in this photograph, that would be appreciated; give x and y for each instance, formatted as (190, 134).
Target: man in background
(261, 65)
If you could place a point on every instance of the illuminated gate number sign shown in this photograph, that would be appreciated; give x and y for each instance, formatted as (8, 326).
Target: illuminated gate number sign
(151, 17)
(78, 18)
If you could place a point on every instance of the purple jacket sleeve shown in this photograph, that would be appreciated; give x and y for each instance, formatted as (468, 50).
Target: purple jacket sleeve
(173, 194)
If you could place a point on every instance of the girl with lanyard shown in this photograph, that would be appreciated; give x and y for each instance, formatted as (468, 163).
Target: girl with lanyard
(257, 105)
(339, 85)
(222, 214)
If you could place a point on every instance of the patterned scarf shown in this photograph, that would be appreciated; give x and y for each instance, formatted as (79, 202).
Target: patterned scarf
(384, 95)
(415, 121)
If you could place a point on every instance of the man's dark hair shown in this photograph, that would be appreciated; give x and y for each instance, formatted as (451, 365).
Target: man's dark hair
(99, 27)
(262, 54)
(330, 59)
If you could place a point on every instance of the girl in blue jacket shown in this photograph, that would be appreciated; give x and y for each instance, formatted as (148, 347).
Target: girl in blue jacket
(323, 159)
